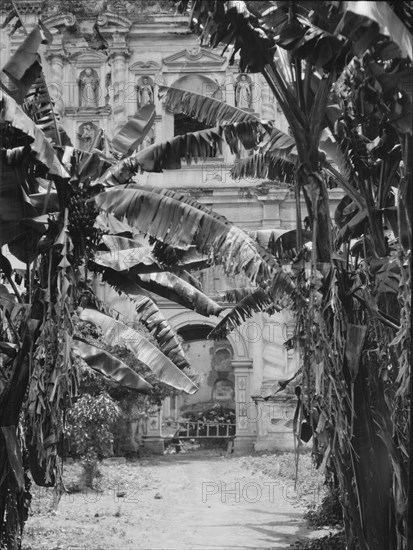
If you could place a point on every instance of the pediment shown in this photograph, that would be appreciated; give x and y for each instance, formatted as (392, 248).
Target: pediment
(194, 57)
(91, 58)
(145, 67)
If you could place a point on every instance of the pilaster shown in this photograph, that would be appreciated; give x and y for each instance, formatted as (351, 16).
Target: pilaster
(244, 439)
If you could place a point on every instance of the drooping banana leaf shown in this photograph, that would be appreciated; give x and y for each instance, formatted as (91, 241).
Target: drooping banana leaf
(263, 166)
(11, 113)
(181, 222)
(134, 131)
(117, 333)
(280, 242)
(234, 295)
(177, 290)
(24, 66)
(122, 260)
(110, 366)
(245, 126)
(109, 223)
(20, 203)
(117, 289)
(115, 242)
(128, 253)
(388, 21)
(167, 155)
(257, 301)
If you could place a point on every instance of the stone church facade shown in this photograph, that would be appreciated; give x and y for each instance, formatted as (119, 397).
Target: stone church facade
(149, 45)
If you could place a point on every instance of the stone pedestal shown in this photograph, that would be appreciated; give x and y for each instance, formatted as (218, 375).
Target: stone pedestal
(244, 439)
(275, 424)
(153, 441)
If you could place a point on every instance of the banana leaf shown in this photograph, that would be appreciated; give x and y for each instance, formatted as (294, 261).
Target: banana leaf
(117, 333)
(234, 295)
(243, 125)
(182, 222)
(134, 131)
(123, 260)
(173, 288)
(356, 335)
(11, 113)
(146, 310)
(24, 66)
(101, 361)
(258, 300)
(167, 155)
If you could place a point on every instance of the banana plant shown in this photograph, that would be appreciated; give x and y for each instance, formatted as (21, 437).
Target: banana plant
(341, 73)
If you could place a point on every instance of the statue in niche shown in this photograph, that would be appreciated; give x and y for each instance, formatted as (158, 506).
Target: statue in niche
(108, 86)
(243, 94)
(86, 135)
(145, 91)
(89, 87)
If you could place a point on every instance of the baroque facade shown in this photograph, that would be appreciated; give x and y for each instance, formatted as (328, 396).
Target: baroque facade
(97, 90)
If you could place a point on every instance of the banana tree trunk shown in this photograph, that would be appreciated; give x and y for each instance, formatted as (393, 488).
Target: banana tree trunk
(372, 468)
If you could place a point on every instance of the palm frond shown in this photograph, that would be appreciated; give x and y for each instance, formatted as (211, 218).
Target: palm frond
(117, 333)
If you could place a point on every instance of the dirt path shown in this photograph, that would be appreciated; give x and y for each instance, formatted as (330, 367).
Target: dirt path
(175, 502)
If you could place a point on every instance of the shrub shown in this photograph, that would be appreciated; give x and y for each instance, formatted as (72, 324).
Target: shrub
(89, 424)
(331, 541)
(329, 513)
(217, 413)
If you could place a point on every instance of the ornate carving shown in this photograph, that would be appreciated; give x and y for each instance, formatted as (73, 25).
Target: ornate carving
(145, 67)
(194, 53)
(195, 56)
(70, 20)
(102, 20)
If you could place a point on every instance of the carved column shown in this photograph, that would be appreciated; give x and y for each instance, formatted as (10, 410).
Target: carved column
(56, 84)
(245, 409)
(119, 56)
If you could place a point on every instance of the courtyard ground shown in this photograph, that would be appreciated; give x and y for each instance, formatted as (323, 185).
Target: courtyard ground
(197, 501)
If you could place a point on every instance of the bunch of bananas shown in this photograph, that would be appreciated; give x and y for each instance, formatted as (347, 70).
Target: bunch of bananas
(82, 216)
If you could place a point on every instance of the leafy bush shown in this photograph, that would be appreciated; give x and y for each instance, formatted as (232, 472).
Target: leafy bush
(89, 424)
(329, 513)
(332, 541)
(217, 413)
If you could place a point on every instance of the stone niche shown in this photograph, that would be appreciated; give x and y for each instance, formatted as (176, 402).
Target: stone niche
(87, 134)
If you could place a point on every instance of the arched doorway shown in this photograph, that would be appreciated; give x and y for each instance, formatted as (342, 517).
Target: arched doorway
(212, 360)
